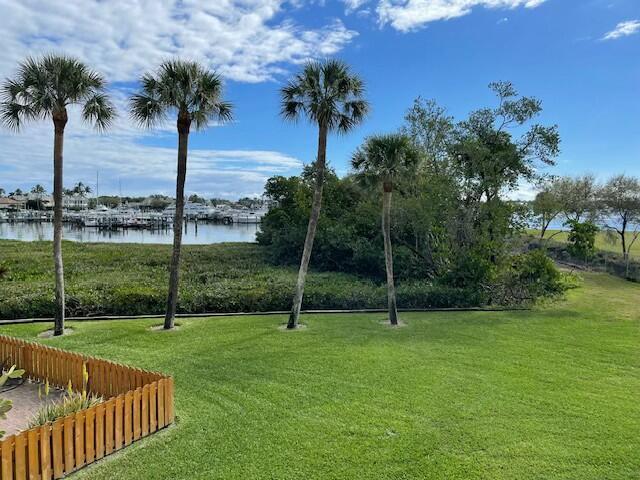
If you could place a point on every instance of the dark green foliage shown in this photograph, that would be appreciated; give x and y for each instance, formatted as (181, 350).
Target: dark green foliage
(582, 239)
(529, 276)
(112, 279)
(451, 226)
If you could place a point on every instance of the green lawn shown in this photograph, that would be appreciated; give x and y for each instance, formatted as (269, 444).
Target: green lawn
(602, 243)
(547, 394)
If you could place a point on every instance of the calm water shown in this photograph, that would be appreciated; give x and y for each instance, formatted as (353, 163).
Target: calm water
(204, 233)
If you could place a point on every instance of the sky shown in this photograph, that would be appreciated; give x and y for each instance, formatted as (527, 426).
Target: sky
(580, 57)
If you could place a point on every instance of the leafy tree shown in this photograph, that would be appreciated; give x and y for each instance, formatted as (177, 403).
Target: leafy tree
(194, 95)
(16, 192)
(331, 97)
(493, 157)
(194, 198)
(577, 196)
(43, 89)
(2, 192)
(582, 239)
(381, 160)
(487, 153)
(547, 206)
(620, 199)
(431, 129)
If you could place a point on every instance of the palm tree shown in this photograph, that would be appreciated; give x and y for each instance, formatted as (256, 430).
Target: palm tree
(43, 89)
(81, 189)
(39, 191)
(381, 160)
(194, 95)
(331, 97)
(2, 192)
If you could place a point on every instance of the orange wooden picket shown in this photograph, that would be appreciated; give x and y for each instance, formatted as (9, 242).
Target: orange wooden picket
(137, 403)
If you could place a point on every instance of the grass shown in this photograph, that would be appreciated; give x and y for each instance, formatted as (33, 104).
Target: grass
(602, 241)
(545, 394)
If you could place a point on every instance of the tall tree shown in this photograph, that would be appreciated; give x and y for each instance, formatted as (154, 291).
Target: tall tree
(494, 152)
(194, 95)
(381, 160)
(330, 96)
(45, 88)
(620, 198)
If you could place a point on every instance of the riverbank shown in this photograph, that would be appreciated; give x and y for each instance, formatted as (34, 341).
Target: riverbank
(131, 279)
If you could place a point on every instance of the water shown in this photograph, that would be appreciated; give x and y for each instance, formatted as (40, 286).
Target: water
(202, 234)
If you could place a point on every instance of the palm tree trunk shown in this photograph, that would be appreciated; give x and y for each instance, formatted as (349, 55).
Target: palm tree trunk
(388, 253)
(174, 273)
(311, 228)
(59, 122)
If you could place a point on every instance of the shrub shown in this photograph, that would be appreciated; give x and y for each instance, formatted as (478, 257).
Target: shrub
(530, 276)
(71, 402)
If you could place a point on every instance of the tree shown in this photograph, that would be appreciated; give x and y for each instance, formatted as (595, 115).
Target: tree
(577, 195)
(195, 198)
(2, 192)
(194, 95)
(17, 192)
(492, 160)
(582, 239)
(331, 97)
(43, 89)
(620, 199)
(39, 191)
(547, 206)
(431, 129)
(81, 189)
(381, 160)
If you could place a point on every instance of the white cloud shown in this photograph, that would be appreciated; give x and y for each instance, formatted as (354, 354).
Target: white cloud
(407, 15)
(141, 169)
(353, 5)
(623, 29)
(244, 40)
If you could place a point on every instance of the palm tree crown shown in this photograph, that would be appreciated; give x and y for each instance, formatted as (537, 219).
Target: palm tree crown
(43, 88)
(328, 94)
(384, 157)
(183, 87)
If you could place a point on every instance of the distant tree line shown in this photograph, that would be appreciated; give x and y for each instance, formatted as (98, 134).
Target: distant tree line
(586, 206)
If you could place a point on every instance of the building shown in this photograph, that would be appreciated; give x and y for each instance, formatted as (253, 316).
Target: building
(7, 203)
(75, 202)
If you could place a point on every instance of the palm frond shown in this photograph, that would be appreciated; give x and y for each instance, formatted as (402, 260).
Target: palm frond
(99, 111)
(49, 84)
(147, 111)
(184, 87)
(327, 93)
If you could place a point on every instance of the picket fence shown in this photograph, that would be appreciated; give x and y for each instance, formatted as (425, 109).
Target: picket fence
(138, 403)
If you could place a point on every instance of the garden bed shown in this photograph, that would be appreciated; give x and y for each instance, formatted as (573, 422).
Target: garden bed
(138, 403)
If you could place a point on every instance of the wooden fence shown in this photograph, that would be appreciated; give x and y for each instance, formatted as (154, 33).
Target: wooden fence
(138, 404)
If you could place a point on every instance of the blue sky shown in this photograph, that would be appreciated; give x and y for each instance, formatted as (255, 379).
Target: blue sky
(579, 57)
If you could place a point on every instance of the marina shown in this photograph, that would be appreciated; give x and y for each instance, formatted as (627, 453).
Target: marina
(202, 225)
